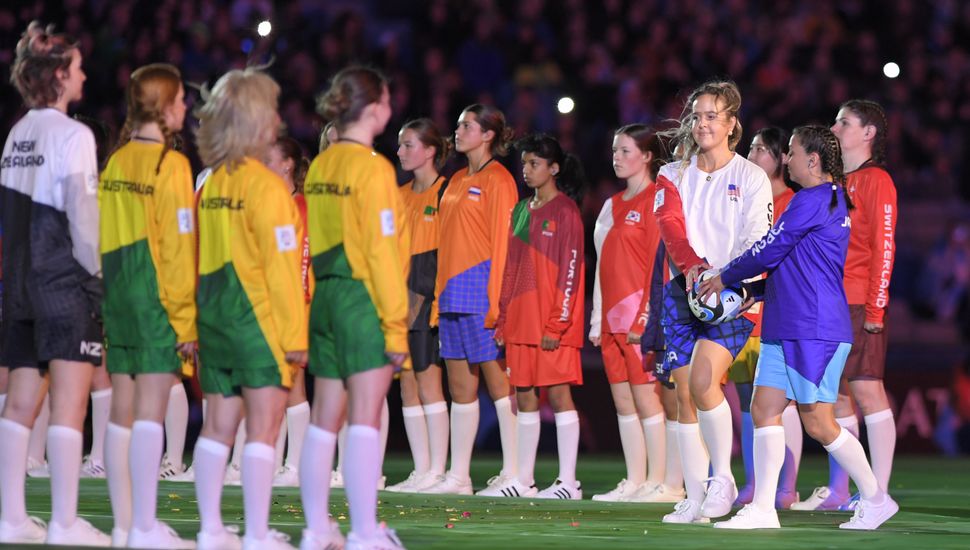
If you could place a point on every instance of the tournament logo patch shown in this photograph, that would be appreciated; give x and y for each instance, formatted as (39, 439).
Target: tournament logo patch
(733, 192)
(633, 216)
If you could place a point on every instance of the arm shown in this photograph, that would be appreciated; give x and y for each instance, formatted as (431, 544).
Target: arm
(175, 220)
(500, 198)
(881, 205)
(669, 210)
(643, 311)
(81, 199)
(569, 264)
(756, 210)
(600, 230)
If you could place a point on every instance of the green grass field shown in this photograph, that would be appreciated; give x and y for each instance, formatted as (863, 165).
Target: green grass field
(932, 493)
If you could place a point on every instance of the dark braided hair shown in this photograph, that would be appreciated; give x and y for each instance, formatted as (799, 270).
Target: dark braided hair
(820, 140)
(872, 113)
(571, 178)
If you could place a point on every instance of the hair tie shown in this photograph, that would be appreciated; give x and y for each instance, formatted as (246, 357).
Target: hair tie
(834, 187)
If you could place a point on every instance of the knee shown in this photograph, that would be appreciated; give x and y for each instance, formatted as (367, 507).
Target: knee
(20, 410)
(561, 400)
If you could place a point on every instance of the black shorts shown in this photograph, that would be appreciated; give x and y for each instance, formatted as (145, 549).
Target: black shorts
(34, 343)
(424, 347)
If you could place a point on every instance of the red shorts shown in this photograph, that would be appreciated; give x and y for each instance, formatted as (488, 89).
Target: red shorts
(867, 359)
(624, 362)
(531, 366)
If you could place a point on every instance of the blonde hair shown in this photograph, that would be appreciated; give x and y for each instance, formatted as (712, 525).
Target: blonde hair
(151, 89)
(235, 116)
(681, 136)
(40, 54)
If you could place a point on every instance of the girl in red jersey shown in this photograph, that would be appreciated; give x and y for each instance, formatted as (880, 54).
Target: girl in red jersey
(540, 319)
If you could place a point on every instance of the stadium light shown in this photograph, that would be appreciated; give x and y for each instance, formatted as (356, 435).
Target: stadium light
(891, 70)
(566, 105)
(264, 28)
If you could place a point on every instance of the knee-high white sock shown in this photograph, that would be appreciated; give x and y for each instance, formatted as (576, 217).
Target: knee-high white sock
(528, 431)
(634, 447)
(567, 443)
(793, 449)
(464, 428)
(654, 434)
(718, 432)
(341, 447)
(64, 446)
(3, 401)
(838, 477)
(237, 446)
(674, 474)
(117, 441)
(100, 412)
(209, 463)
(417, 431)
(506, 429)
(769, 455)
(694, 459)
(176, 424)
(361, 471)
(847, 450)
(384, 431)
(881, 432)
(436, 415)
(316, 462)
(297, 420)
(13, 471)
(257, 483)
(280, 447)
(38, 435)
(147, 438)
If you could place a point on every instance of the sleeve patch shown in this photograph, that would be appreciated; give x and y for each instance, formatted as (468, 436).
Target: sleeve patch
(658, 200)
(285, 238)
(387, 222)
(185, 220)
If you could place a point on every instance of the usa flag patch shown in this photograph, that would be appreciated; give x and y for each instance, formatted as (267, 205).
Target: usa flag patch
(733, 192)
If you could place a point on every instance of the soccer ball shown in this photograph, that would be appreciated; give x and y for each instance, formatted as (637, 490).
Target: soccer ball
(716, 309)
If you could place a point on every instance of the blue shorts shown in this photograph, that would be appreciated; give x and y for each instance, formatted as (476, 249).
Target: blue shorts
(682, 330)
(464, 336)
(808, 371)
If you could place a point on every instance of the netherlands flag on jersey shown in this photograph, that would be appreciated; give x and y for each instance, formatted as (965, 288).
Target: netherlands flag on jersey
(474, 192)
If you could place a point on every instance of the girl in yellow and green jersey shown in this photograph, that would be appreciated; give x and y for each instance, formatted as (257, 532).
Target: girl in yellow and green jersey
(358, 315)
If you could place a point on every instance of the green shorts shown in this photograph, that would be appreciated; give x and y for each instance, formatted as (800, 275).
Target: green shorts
(230, 382)
(134, 361)
(345, 332)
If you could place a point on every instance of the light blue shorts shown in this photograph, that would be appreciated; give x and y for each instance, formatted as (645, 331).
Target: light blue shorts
(808, 371)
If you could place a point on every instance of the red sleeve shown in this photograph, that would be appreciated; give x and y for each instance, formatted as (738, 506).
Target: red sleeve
(567, 278)
(669, 210)
(305, 262)
(881, 206)
(506, 295)
(500, 200)
(643, 312)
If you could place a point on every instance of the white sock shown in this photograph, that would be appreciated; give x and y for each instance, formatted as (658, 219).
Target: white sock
(464, 427)
(567, 441)
(13, 471)
(793, 448)
(384, 431)
(655, 437)
(436, 415)
(361, 471)
(100, 412)
(280, 446)
(506, 429)
(176, 424)
(237, 446)
(881, 432)
(529, 426)
(847, 450)
(38, 435)
(674, 474)
(117, 442)
(64, 447)
(297, 420)
(257, 483)
(144, 458)
(316, 462)
(417, 431)
(3, 401)
(718, 432)
(769, 455)
(341, 446)
(694, 458)
(634, 447)
(209, 463)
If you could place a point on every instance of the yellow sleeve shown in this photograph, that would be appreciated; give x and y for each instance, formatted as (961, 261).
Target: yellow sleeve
(175, 224)
(501, 197)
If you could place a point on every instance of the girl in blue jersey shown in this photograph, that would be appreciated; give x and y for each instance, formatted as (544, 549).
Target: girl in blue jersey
(806, 334)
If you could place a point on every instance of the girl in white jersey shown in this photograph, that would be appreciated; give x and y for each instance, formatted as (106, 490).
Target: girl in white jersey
(711, 204)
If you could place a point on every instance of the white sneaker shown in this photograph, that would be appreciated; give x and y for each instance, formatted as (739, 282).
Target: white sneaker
(721, 493)
(622, 491)
(427, 479)
(168, 470)
(562, 491)
(822, 499)
(274, 540)
(33, 530)
(119, 538)
(449, 484)
(329, 541)
(227, 539)
(751, 517)
(336, 480)
(287, 476)
(233, 475)
(384, 539)
(514, 489)
(37, 468)
(188, 476)
(686, 511)
(160, 536)
(495, 484)
(656, 492)
(869, 515)
(92, 468)
(81, 533)
(406, 486)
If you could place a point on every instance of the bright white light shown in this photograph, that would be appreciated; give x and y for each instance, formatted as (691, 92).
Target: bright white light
(264, 28)
(566, 105)
(891, 70)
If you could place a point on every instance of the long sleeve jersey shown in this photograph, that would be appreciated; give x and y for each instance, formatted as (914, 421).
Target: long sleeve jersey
(804, 255)
(475, 213)
(148, 247)
(421, 211)
(626, 238)
(356, 230)
(543, 279)
(778, 208)
(250, 294)
(872, 243)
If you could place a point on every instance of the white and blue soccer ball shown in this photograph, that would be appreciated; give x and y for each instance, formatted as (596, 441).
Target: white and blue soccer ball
(717, 308)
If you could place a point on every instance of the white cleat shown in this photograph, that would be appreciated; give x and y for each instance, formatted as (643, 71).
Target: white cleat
(869, 515)
(384, 539)
(332, 540)
(751, 517)
(686, 511)
(623, 490)
(449, 484)
(32, 530)
(92, 469)
(274, 540)
(495, 484)
(721, 494)
(656, 492)
(81, 533)
(227, 539)
(37, 468)
(168, 470)
(562, 491)
(336, 480)
(233, 475)
(159, 536)
(188, 476)
(287, 476)
(119, 538)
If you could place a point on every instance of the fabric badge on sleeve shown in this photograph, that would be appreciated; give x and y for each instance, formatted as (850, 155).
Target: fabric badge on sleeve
(185, 220)
(387, 222)
(285, 238)
(658, 200)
